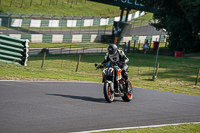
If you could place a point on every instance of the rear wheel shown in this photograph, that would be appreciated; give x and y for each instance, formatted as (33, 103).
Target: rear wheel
(128, 94)
(107, 93)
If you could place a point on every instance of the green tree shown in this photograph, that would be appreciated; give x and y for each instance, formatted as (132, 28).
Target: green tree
(181, 19)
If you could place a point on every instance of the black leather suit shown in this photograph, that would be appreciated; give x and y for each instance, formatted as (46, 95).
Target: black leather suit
(120, 59)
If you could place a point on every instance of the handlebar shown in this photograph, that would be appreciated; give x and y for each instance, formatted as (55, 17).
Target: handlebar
(99, 66)
(108, 65)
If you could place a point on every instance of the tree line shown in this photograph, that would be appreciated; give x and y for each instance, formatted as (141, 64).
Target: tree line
(181, 19)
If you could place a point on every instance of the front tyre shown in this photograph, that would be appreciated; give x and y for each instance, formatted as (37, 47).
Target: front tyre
(107, 92)
(128, 94)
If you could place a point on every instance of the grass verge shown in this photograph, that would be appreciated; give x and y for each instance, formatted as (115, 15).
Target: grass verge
(183, 128)
(176, 75)
(67, 45)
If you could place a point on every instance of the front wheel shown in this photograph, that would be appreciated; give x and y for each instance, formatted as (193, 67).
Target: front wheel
(107, 92)
(128, 94)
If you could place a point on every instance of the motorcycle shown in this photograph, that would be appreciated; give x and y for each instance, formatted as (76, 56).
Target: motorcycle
(114, 83)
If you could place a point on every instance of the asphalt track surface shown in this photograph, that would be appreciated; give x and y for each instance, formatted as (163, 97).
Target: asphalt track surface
(62, 107)
(140, 30)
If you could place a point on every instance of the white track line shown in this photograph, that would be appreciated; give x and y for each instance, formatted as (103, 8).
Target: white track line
(102, 130)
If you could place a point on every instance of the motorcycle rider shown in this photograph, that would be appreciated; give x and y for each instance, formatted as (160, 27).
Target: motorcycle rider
(117, 56)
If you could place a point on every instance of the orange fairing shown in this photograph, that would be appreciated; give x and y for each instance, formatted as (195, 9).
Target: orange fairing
(119, 72)
(119, 75)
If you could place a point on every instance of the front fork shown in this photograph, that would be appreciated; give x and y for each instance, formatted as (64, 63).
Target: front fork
(111, 82)
(111, 85)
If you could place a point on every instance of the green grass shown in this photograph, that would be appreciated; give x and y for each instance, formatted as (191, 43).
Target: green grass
(143, 20)
(148, 16)
(176, 75)
(184, 128)
(62, 7)
(77, 45)
(68, 45)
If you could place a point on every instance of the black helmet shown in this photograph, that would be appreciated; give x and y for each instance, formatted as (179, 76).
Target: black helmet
(112, 49)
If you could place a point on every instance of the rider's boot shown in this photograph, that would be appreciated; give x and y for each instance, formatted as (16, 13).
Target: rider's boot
(125, 76)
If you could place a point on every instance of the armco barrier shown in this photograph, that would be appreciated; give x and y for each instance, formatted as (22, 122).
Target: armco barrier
(13, 50)
(20, 20)
(56, 38)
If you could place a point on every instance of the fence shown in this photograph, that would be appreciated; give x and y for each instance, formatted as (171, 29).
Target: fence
(128, 47)
(38, 20)
(56, 38)
(70, 25)
(68, 50)
(142, 68)
(172, 73)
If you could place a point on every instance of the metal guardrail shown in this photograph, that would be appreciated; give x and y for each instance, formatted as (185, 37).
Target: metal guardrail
(13, 50)
(16, 23)
(35, 51)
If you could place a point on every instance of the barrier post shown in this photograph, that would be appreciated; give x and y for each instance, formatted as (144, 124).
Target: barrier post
(79, 58)
(125, 47)
(43, 58)
(157, 70)
(197, 77)
(129, 43)
(134, 45)
(139, 46)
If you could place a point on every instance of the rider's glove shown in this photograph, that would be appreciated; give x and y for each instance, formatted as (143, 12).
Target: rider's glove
(100, 66)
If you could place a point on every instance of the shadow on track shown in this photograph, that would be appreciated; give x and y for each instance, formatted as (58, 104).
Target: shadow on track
(85, 98)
